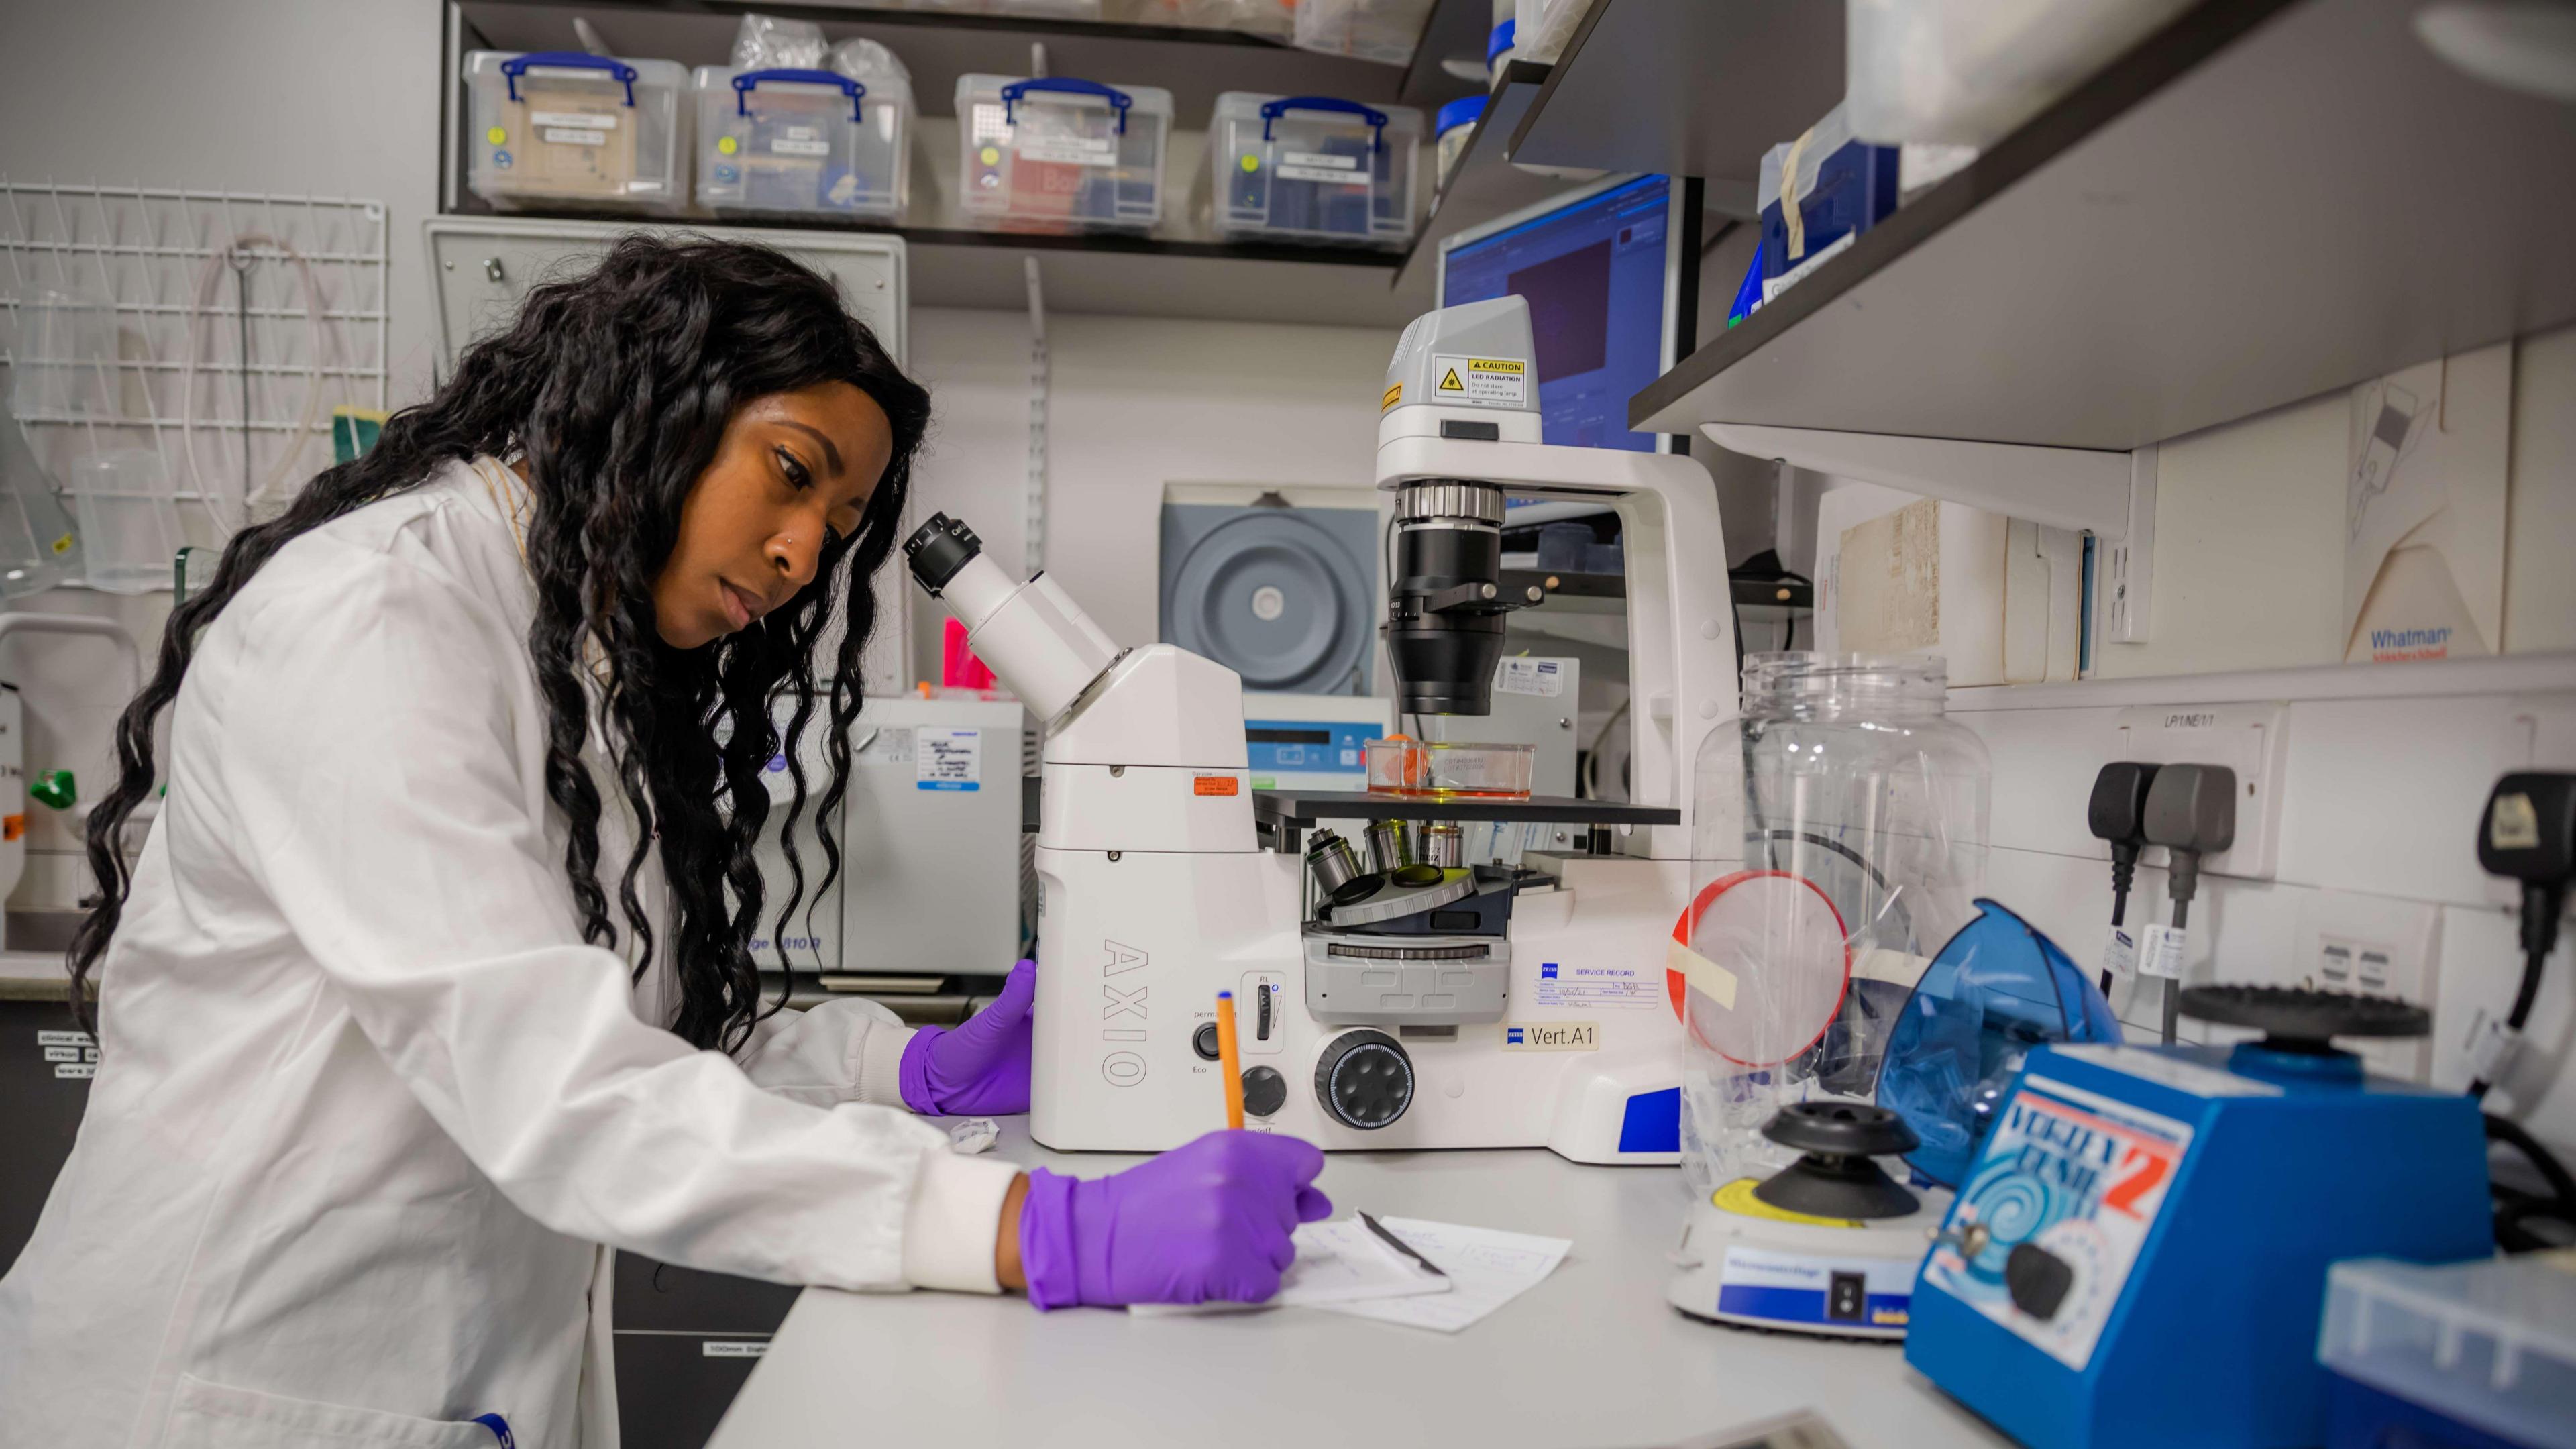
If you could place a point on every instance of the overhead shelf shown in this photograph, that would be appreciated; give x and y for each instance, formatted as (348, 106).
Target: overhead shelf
(953, 266)
(1687, 88)
(1139, 276)
(2266, 201)
(1485, 185)
(938, 46)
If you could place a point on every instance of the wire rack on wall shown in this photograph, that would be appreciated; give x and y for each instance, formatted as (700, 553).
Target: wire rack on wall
(180, 359)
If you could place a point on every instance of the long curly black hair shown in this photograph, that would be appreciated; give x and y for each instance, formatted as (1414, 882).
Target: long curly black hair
(615, 388)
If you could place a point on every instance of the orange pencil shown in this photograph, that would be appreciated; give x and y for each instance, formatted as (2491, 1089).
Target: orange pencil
(1228, 1061)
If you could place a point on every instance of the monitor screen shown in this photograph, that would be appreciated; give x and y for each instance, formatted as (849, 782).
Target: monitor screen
(1596, 272)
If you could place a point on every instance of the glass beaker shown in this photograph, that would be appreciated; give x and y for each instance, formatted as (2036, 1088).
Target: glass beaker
(39, 547)
(1858, 813)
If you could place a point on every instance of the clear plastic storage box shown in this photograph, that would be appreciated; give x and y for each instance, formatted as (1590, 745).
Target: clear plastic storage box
(1256, 17)
(1061, 155)
(1965, 72)
(1457, 127)
(803, 142)
(558, 126)
(1816, 193)
(1313, 168)
(1380, 30)
(2444, 1354)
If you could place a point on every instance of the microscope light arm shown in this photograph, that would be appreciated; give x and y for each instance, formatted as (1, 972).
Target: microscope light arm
(1681, 629)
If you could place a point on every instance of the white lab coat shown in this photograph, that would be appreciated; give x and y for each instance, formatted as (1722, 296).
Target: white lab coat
(367, 1104)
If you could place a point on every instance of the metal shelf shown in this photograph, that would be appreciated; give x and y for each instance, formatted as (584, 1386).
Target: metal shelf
(1687, 88)
(1300, 809)
(1148, 277)
(2267, 201)
(957, 267)
(938, 46)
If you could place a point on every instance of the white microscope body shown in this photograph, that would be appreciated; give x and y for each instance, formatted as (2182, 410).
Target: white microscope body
(1164, 879)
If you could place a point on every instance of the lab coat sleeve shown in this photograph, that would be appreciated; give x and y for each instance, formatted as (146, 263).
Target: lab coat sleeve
(382, 798)
(849, 1050)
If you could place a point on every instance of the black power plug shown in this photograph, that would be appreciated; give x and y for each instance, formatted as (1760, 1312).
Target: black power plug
(2191, 811)
(2117, 813)
(2528, 834)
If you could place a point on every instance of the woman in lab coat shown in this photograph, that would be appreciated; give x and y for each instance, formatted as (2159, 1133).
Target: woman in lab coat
(434, 976)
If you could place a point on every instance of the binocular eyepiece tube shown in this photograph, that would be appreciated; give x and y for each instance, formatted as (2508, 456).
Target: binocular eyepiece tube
(1033, 635)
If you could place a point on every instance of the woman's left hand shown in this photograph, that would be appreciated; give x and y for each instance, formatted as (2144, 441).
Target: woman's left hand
(982, 1066)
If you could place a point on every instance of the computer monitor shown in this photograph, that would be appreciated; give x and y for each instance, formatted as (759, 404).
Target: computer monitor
(1611, 272)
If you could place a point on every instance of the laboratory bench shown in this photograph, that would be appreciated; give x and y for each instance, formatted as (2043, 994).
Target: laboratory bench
(1591, 1358)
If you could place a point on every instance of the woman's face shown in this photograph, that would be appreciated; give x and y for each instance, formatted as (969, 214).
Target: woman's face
(793, 469)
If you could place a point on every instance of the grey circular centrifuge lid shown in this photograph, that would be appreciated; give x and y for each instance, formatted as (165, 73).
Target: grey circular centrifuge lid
(1276, 599)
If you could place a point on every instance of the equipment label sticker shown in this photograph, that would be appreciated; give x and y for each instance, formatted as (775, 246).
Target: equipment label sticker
(2054, 1217)
(1544, 677)
(1551, 1036)
(2162, 951)
(1491, 382)
(1623, 988)
(577, 120)
(1070, 150)
(885, 747)
(2120, 952)
(947, 759)
(1313, 166)
(1763, 1286)
(733, 1347)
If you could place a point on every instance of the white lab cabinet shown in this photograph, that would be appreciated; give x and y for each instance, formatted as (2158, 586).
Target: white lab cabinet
(930, 843)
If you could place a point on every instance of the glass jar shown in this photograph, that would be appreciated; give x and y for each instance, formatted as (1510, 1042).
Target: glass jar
(1840, 841)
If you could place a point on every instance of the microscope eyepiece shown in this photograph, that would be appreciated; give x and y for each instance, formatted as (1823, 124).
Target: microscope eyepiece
(938, 549)
(1444, 605)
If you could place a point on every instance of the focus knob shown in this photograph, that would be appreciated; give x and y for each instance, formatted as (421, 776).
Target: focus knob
(1364, 1079)
(1264, 1091)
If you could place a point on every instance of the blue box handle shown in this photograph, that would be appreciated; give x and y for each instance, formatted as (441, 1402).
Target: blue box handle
(743, 83)
(1273, 110)
(517, 66)
(1117, 98)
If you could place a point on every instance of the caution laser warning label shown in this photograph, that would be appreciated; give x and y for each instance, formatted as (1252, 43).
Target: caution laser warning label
(1500, 382)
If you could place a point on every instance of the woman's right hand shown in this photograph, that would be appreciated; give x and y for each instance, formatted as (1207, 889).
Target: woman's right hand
(1209, 1220)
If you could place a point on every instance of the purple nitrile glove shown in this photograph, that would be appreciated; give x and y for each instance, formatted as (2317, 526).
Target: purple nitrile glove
(1208, 1220)
(980, 1067)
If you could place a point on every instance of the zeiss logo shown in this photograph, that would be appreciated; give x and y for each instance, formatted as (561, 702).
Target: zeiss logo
(1515, 1036)
(1547, 971)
